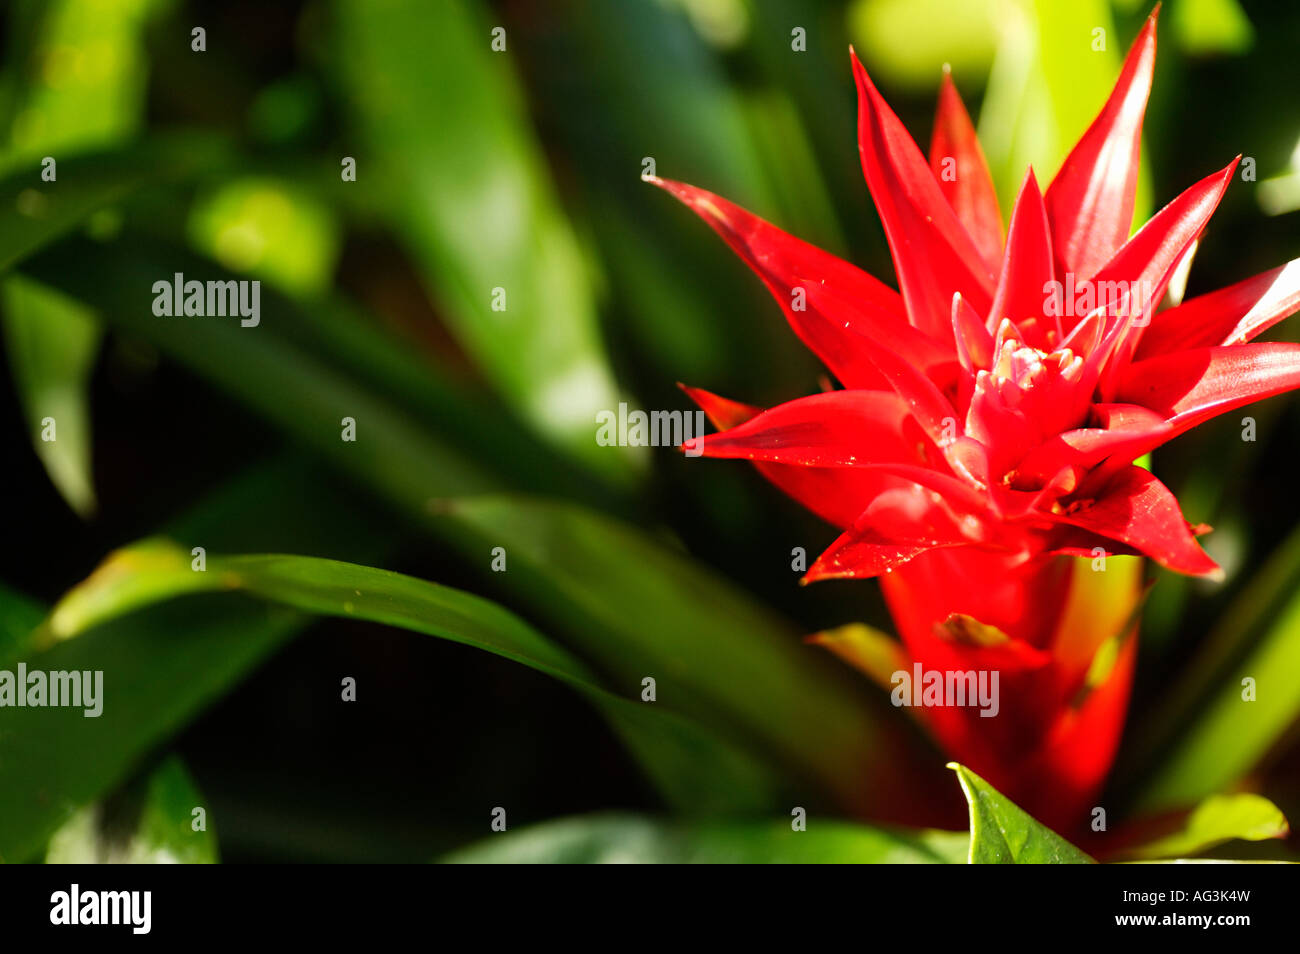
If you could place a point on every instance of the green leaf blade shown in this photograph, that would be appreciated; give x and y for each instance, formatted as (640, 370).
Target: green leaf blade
(1002, 833)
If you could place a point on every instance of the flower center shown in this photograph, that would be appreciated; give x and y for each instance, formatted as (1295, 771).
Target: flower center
(1019, 369)
(1026, 397)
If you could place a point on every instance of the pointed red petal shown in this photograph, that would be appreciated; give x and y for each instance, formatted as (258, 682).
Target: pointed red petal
(1026, 270)
(974, 340)
(1147, 262)
(1085, 337)
(834, 429)
(1189, 387)
(778, 257)
(932, 410)
(855, 323)
(933, 255)
(896, 527)
(837, 495)
(974, 349)
(861, 558)
(1090, 202)
(1136, 509)
(1149, 258)
(721, 412)
(958, 164)
(1231, 315)
(843, 429)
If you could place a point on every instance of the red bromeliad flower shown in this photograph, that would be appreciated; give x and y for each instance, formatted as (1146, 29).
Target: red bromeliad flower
(992, 409)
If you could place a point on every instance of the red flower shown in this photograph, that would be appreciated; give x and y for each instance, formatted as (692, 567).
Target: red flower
(991, 411)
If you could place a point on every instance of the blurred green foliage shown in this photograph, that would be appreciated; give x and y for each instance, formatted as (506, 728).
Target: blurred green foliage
(519, 168)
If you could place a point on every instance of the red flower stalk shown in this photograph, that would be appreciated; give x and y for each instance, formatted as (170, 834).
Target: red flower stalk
(992, 408)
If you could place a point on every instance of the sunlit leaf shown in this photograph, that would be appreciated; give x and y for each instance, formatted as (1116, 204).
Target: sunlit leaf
(1216, 820)
(1002, 833)
(87, 86)
(1055, 67)
(157, 570)
(88, 91)
(464, 180)
(152, 822)
(1248, 711)
(271, 229)
(1233, 702)
(866, 648)
(1205, 27)
(963, 35)
(52, 342)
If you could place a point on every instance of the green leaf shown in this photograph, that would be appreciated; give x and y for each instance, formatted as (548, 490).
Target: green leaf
(937, 33)
(274, 374)
(695, 769)
(19, 616)
(876, 654)
(1207, 27)
(162, 667)
(150, 823)
(622, 839)
(689, 118)
(271, 228)
(34, 213)
(52, 342)
(682, 306)
(86, 84)
(160, 671)
(1216, 820)
(310, 363)
(466, 183)
(1002, 833)
(715, 654)
(1235, 700)
(1055, 66)
(157, 570)
(824, 98)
